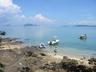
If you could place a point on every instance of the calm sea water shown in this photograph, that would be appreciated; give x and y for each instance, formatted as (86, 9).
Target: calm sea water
(68, 36)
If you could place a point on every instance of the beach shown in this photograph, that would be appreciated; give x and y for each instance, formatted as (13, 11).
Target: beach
(18, 54)
(47, 36)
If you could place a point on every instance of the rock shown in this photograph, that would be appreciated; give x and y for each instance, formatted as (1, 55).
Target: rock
(42, 54)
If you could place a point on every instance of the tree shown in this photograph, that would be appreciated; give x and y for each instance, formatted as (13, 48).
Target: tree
(1, 65)
(2, 33)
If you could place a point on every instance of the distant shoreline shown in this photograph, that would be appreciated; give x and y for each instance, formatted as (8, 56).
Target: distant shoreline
(78, 25)
(85, 25)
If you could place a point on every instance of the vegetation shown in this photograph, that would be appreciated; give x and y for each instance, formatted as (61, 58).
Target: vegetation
(42, 54)
(1, 70)
(71, 65)
(0, 40)
(24, 69)
(1, 67)
(2, 33)
(29, 54)
(53, 66)
(92, 61)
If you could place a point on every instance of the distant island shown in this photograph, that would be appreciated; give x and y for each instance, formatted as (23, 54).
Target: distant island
(31, 25)
(79, 25)
(85, 25)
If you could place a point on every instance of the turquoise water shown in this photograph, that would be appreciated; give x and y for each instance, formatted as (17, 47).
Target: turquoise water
(68, 36)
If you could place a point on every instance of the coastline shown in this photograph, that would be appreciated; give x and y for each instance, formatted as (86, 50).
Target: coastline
(21, 54)
(58, 57)
(80, 60)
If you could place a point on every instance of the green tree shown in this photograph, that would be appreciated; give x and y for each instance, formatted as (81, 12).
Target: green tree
(2, 33)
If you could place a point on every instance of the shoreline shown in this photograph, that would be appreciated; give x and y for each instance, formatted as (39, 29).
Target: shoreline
(20, 55)
(58, 56)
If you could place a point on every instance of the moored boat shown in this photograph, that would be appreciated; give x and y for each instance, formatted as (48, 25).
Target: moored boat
(53, 42)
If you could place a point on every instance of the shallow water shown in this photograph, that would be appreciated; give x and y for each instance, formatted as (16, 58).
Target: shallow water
(68, 36)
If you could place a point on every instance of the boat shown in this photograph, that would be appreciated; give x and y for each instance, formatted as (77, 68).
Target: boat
(42, 45)
(83, 37)
(53, 42)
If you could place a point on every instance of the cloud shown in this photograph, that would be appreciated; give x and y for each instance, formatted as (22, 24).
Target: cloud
(7, 6)
(40, 18)
(11, 13)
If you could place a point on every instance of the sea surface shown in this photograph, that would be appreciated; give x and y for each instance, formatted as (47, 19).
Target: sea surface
(68, 36)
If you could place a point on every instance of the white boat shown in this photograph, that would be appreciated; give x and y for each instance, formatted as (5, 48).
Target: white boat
(42, 45)
(53, 42)
(82, 37)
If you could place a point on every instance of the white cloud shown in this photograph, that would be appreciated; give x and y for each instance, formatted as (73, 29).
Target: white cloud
(11, 13)
(40, 18)
(7, 6)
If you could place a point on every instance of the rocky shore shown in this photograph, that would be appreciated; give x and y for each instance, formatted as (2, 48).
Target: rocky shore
(16, 56)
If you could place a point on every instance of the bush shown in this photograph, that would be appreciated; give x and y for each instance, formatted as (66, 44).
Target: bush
(94, 68)
(69, 64)
(25, 69)
(28, 53)
(2, 33)
(1, 70)
(42, 54)
(0, 39)
(1, 65)
(68, 61)
(92, 61)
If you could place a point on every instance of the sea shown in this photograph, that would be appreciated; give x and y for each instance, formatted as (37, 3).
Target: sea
(68, 36)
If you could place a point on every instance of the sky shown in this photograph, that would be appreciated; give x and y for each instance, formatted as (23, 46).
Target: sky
(59, 12)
